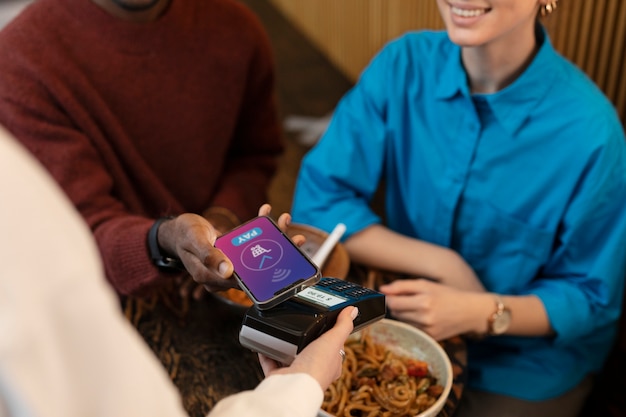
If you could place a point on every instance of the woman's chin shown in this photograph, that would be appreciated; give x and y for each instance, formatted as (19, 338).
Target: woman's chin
(464, 39)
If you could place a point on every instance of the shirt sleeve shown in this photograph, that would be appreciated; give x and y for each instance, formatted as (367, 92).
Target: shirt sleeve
(291, 395)
(66, 350)
(582, 284)
(340, 175)
(73, 160)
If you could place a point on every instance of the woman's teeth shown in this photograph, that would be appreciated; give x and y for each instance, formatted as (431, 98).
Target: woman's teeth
(467, 13)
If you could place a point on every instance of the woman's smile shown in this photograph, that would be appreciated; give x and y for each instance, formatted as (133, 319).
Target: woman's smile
(467, 12)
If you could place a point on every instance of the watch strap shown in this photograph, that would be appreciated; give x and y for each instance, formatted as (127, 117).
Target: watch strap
(161, 260)
(501, 310)
(499, 305)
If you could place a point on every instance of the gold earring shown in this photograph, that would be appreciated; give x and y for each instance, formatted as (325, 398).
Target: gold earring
(548, 8)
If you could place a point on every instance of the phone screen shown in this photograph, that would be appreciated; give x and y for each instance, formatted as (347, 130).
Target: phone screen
(266, 261)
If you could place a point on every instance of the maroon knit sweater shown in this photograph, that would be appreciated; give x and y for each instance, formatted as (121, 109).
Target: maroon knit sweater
(141, 120)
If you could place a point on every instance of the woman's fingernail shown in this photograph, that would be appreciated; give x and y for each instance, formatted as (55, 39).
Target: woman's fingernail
(355, 312)
(222, 268)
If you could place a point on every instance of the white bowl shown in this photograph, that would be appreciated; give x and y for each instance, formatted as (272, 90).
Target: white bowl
(406, 340)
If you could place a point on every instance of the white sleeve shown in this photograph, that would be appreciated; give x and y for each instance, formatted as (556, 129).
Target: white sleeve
(65, 348)
(289, 395)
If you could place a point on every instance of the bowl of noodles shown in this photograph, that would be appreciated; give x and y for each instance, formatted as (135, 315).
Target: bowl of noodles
(336, 265)
(391, 368)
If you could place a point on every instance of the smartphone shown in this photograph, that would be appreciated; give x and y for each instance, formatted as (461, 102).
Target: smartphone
(269, 267)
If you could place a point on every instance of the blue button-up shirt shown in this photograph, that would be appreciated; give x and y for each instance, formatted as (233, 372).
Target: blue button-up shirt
(528, 184)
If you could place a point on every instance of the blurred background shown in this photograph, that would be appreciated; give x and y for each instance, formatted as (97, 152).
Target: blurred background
(9, 9)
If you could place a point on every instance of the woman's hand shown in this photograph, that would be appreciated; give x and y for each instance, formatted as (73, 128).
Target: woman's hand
(440, 310)
(321, 358)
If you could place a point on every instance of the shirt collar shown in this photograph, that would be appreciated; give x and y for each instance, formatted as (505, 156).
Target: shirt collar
(512, 105)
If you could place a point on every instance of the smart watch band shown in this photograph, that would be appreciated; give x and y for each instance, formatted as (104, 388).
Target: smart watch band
(161, 260)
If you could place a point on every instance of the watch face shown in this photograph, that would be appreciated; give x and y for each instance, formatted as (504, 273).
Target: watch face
(501, 322)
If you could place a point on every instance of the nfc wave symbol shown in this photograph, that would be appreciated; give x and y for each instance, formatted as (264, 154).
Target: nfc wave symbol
(246, 236)
(280, 274)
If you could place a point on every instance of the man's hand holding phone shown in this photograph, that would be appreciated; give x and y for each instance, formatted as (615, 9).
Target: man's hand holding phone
(190, 238)
(268, 265)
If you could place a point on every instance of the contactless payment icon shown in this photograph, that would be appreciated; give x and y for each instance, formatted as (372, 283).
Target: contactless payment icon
(262, 255)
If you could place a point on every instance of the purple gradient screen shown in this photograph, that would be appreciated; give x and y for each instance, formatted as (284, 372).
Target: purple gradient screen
(264, 259)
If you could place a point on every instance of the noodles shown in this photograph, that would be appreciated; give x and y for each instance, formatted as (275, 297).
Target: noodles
(377, 382)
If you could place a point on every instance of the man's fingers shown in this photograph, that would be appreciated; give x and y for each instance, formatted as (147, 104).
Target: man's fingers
(265, 210)
(218, 262)
(298, 240)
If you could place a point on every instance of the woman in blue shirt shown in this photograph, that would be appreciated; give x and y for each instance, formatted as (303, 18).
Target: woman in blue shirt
(504, 172)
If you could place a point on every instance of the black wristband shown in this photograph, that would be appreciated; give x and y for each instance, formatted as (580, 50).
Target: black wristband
(165, 262)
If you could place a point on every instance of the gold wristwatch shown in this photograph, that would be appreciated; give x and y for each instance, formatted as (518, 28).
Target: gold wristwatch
(500, 320)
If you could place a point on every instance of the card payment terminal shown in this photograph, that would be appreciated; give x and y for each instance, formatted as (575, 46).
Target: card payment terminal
(281, 332)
